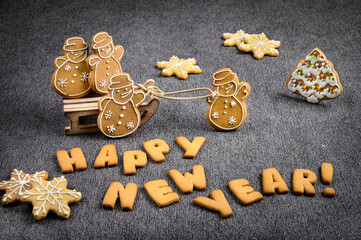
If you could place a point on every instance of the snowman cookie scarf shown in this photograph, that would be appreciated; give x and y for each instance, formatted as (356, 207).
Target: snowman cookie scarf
(119, 114)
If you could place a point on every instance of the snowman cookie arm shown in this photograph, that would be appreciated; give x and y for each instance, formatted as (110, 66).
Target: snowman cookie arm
(138, 98)
(103, 102)
(210, 99)
(92, 60)
(243, 91)
(59, 61)
(118, 52)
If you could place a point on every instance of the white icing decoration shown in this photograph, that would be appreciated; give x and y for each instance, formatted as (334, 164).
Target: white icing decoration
(215, 115)
(314, 95)
(233, 103)
(19, 184)
(51, 194)
(84, 76)
(124, 107)
(76, 67)
(74, 75)
(119, 122)
(67, 68)
(121, 115)
(130, 125)
(111, 128)
(102, 83)
(232, 120)
(108, 114)
(62, 82)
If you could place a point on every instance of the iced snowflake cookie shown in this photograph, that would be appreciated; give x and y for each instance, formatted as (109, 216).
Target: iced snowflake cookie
(48, 196)
(70, 79)
(179, 67)
(234, 39)
(18, 183)
(260, 45)
(228, 111)
(105, 63)
(119, 115)
(314, 78)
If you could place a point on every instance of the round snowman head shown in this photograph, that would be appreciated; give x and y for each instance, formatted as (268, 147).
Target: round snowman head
(103, 44)
(121, 88)
(75, 49)
(225, 81)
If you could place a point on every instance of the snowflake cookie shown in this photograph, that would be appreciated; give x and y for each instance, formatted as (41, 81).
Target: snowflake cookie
(50, 196)
(234, 39)
(260, 45)
(18, 183)
(179, 67)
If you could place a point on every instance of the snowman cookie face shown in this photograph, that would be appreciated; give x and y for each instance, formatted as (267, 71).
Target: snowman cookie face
(228, 111)
(119, 115)
(106, 51)
(70, 79)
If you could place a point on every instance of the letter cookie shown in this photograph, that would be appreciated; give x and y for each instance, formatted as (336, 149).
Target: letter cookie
(119, 115)
(70, 79)
(50, 196)
(314, 78)
(217, 203)
(105, 63)
(18, 183)
(179, 67)
(228, 111)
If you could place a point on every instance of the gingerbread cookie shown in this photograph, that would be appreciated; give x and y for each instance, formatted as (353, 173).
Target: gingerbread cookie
(314, 78)
(48, 196)
(70, 79)
(119, 115)
(234, 39)
(18, 183)
(228, 111)
(105, 63)
(179, 67)
(260, 45)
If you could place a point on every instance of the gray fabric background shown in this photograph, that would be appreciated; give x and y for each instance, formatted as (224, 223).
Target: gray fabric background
(281, 129)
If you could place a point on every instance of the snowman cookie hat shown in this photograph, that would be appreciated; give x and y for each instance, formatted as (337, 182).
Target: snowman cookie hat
(101, 39)
(223, 77)
(120, 81)
(74, 44)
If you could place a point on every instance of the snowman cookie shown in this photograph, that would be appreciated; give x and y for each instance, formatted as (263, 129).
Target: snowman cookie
(105, 63)
(228, 110)
(119, 115)
(70, 79)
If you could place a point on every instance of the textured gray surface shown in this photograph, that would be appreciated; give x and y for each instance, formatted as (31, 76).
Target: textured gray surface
(281, 130)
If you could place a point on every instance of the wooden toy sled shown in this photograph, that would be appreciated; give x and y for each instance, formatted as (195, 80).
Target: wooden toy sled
(87, 107)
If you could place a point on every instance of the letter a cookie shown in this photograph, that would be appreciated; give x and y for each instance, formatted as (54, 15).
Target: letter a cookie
(228, 111)
(70, 79)
(119, 115)
(105, 63)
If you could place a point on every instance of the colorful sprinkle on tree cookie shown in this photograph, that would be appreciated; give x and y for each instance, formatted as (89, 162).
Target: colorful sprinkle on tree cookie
(314, 78)
(179, 67)
(50, 196)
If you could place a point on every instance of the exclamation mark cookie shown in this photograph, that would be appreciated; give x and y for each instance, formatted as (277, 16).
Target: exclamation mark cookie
(326, 175)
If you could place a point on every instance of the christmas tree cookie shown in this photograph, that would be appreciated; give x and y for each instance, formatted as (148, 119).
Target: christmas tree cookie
(314, 78)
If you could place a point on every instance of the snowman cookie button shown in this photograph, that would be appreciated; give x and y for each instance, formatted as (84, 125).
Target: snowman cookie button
(119, 115)
(228, 110)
